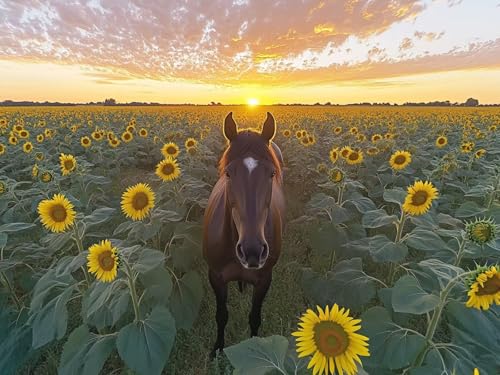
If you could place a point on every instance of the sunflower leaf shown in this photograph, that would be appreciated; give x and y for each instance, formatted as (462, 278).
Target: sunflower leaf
(409, 297)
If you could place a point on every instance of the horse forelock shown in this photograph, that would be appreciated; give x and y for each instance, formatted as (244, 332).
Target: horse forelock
(249, 142)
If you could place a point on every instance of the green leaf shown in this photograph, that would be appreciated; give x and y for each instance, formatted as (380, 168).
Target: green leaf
(469, 209)
(327, 237)
(425, 240)
(105, 303)
(186, 298)
(391, 346)
(85, 353)
(148, 260)
(396, 195)
(258, 355)
(15, 347)
(3, 239)
(15, 227)
(145, 345)
(409, 297)
(158, 285)
(378, 218)
(99, 216)
(380, 248)
(347, 284)
(183, 256)
(362, 204)
(50, 322)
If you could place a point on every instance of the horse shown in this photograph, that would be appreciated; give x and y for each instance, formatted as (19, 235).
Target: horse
(244, 218)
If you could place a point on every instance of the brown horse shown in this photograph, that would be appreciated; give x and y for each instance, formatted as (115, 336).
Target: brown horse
(243, 221)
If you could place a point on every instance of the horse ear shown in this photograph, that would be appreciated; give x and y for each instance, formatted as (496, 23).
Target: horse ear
(269, 128)
(230, 128)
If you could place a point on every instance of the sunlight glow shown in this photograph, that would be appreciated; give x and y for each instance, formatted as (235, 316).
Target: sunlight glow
(252, 102)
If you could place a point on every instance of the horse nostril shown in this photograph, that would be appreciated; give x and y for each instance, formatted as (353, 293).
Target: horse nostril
(265, 252)
(239, 251)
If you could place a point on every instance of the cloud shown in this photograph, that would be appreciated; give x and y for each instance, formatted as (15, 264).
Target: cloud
(224, 42)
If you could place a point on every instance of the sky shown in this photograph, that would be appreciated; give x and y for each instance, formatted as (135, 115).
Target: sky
(231, 51)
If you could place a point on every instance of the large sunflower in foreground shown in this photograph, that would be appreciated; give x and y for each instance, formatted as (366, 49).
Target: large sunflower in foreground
(484, 288)
(102, 261)
(419, 198)
(137, 201)
(56, 214)
(331, 338)
(168, 169)
(400, 160)
(68, 164)
(170, 149)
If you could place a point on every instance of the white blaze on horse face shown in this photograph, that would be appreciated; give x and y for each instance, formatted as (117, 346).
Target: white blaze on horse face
(250, 163)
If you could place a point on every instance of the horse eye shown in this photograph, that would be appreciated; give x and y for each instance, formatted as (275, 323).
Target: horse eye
(227, 174)
(273, 174)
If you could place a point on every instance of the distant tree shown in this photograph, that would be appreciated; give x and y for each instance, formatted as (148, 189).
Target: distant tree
(471, 102)
(110, 101)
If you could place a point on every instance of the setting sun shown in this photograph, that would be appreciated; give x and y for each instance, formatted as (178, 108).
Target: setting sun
(253, 102)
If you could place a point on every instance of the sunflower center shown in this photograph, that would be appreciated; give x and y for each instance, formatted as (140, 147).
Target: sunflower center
(140, 201)
(441, 141)
(190, 144)
(106, 260)
(168, 169)
(419, 198)
(171, 150)
(400, 159)
(68, 164)
(482, 232)
(491, 286)
(353, 155)
(330, 338)
(58, 213)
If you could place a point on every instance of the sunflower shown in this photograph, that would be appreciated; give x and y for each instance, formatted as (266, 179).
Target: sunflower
(287, 133)
(441, 141)
(345, 151)
(419, 198)
(2, 149)
(127, 136)
(354, 130)
(298, 134)
(168, 169)
(68, 164)
(96, 135)
(354, 157)
(3, 188)
(170, 149)
(56, 214)
(372, 151)
(39, 156)
(334, 154)
(137, 201)
(484, 288)
(85, 142)
(102, 261)
(400, 160)
(143, 133)
(467, 147)
(13, 140)
(492, 128)
(190, 143)
(331, 338)
(321, 168)
(336, 175)
(28, 147)
(389, 136)
(34, 171)
(361, 137)
(24, 134)
(481, 231)
(18, 128)
(40, 138)
(480, 153)
(376, 137)
(114, 142)
(337, 130)
(46, 177)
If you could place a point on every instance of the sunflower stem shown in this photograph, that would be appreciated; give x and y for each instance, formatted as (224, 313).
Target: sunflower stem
(399, 232)
(461, 251)
(436, 317)
(79, 245)
(133, 291)
(12, 292)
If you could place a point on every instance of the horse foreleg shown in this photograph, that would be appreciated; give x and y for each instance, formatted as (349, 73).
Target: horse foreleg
(259, 293)
(221, 315)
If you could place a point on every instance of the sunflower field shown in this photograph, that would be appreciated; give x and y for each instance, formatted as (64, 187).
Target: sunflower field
(390, 254)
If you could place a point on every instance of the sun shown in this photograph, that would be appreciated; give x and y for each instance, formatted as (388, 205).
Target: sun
(253, 102)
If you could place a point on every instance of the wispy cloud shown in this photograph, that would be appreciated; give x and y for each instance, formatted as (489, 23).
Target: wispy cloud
(235, 41)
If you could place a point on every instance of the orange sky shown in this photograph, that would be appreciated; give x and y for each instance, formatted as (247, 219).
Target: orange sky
(233, 50)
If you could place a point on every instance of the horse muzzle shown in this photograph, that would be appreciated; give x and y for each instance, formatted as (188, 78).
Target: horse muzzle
(252, 253)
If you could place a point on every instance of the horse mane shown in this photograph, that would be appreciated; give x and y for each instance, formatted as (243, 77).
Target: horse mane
(249, 141)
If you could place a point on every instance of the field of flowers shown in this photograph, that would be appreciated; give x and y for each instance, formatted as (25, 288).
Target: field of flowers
(390, 257)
